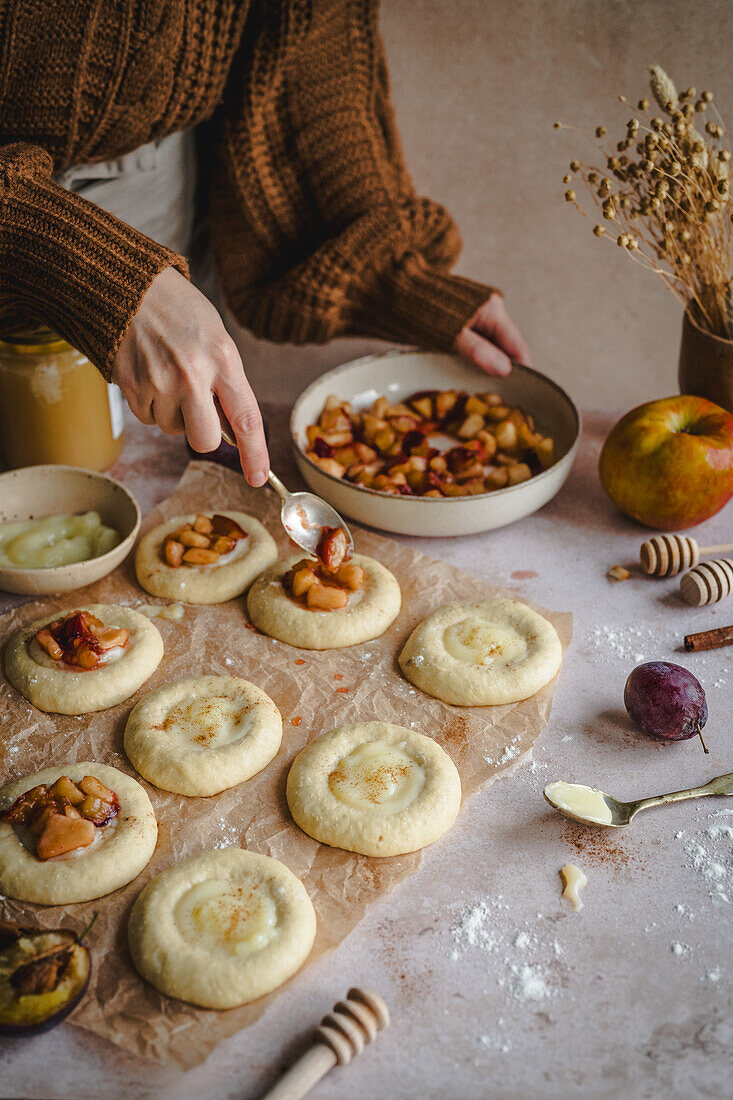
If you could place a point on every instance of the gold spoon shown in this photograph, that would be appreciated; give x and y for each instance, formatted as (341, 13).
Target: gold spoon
(303, 515)
(592, 807)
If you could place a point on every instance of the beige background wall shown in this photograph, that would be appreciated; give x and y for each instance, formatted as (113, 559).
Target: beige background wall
(477, 85)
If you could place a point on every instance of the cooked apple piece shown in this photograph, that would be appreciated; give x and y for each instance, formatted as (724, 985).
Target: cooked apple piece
(225, 525)
(203, 525)
(66, 788)
(189, 537)
(337, 439)
(328, 465)
(326, 597)
(86, 658)
(333, 548)
(94, 787)
(112, 637)
(97, 810)
(332, 402)
(302, 579)
(506, 435)
(488, 444)
(444, 402)
(64, 834)
(471, 426)
(403, 424)
(364, 453)
(491, 398)
(173, 551)
(497, 413)
(350, 575)
(384, 439)
(525, 436)
(347, 456)
(545, 451)
(71, 811)
(196, 556)
(379, 408)
(518, 473)
(497, 479)
(312, 433)
(474, 404)
(423, 405)
(47, 641)
(223, 545)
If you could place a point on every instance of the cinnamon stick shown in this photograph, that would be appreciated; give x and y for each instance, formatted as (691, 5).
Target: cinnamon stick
(709, 639)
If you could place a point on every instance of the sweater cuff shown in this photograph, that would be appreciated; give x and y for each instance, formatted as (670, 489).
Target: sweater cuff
(412, 303)
(68, 264)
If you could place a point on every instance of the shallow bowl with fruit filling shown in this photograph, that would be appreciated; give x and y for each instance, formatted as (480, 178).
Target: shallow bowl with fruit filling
(428, 445)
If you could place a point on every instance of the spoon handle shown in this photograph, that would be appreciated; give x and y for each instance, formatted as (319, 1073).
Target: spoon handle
(722, 784)
(278, 486)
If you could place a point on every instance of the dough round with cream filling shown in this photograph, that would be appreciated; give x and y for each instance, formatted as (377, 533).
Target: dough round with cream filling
(482, 654)
(374, 788)
(201, 736)
(52, 686)
(115, 857)
(222, 928)
(215, 583)
(368, 613)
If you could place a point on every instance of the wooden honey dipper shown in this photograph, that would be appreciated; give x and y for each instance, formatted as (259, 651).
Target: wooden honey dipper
(708, 583)
(343, 1034)
(666, 555)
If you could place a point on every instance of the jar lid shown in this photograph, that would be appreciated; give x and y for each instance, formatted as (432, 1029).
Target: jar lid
(37, 342)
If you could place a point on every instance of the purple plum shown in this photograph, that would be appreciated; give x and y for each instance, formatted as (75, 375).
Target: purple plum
(666, 701)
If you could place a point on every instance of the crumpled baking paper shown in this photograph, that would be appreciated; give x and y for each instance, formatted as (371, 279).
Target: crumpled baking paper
(315, 693)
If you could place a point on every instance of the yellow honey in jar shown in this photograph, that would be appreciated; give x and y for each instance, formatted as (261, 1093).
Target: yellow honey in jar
(55, 407)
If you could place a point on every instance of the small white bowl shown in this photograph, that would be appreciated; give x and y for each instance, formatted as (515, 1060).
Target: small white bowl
(36, 491)
(397, 374)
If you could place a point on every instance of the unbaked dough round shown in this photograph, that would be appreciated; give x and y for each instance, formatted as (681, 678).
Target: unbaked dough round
(50, 686)
(374, 788)
(201, 736)
(115, 858)
(222, 928)
(482, 654)
(368, 613)
(204, 583)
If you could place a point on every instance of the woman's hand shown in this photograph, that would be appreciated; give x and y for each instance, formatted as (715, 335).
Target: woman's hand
(491, 339)
(175, 359)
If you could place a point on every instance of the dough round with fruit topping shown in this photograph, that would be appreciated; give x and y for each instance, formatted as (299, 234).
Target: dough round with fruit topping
(482, 654)
(222, 928)
(374, 788)
(201, 736)
(55, 685)
(217, 565)
(117, 854)
(367, 613)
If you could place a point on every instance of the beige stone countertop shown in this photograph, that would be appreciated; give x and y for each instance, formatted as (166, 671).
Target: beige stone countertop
(497, 988)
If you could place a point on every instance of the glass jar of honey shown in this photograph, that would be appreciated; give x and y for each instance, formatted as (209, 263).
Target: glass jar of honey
(55, 407)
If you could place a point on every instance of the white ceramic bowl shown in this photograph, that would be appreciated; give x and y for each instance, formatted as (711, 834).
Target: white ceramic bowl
(396, 374)
(36, 491)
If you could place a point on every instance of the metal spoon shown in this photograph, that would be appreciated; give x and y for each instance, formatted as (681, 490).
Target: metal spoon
(303, 515)
(600, 806)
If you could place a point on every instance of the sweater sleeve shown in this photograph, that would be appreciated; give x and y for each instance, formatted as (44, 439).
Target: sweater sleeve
(66, 263)
(317, 229)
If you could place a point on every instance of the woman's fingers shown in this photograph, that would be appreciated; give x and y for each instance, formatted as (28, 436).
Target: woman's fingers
(492, 321)
(201, 422)
(167, 415)
(241, 410)
(482, 352)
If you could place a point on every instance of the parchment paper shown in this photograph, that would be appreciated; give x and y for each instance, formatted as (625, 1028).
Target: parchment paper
(315, 692)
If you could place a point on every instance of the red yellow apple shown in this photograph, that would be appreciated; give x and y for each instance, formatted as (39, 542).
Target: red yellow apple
(669, 463)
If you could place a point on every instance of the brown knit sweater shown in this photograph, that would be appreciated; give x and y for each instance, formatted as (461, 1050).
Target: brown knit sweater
(316, 227)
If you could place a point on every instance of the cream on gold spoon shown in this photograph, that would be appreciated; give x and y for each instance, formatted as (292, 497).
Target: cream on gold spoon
(303, 515)
(592, 807)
